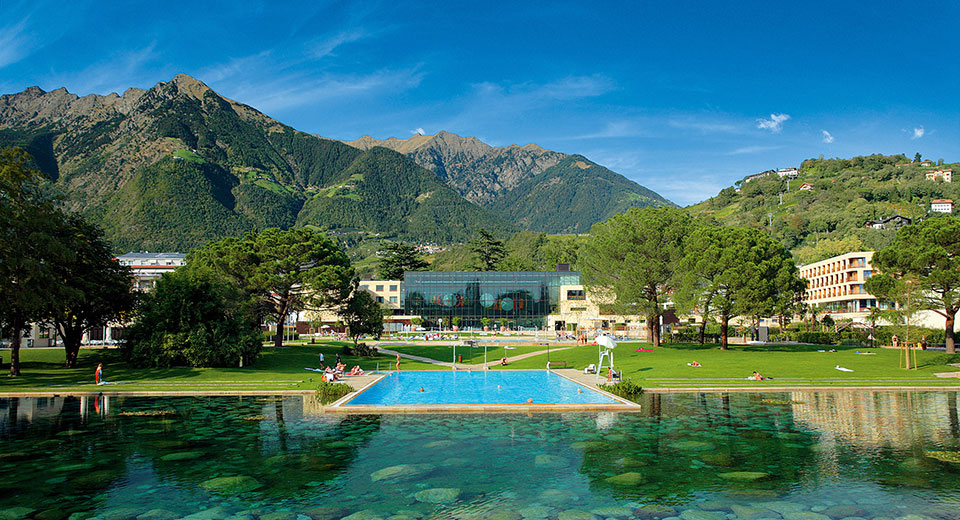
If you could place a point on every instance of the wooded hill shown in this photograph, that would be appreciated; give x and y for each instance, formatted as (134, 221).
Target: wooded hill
(176, 166)
(830, 217)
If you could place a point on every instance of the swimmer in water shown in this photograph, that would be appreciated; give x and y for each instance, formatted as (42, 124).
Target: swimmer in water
(421, 389)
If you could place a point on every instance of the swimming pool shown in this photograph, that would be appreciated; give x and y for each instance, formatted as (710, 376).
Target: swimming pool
(453, 387)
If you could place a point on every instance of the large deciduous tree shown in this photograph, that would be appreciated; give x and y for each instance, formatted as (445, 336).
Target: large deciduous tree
(93, 288)
(29, 249)
(741, 272)
(283, 271)
(928, 254)
(629, 261)
(362, 315)
(399, 257)
(489, 251)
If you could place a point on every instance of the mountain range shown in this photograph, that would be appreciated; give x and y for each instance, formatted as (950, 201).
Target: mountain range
(177, 165)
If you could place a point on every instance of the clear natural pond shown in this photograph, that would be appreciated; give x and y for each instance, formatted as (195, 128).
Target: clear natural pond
(798, 456)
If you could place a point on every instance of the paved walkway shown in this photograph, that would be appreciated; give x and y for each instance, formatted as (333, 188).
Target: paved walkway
(466, 366)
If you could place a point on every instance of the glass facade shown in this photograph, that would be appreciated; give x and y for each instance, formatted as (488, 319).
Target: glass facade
(524, 299)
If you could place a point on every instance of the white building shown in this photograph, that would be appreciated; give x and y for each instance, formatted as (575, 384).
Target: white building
(941, 206)
(789, 173)
(149, 267)
(945, 175)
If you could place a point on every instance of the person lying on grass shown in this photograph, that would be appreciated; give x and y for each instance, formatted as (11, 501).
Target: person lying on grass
(757, 377)
(694, 364)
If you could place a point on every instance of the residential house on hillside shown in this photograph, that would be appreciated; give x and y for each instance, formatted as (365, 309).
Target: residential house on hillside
(806, 187)
(894, 222)
(926, 164)
(941, 205)
(789, 173)
(944, 175)
(756, 176)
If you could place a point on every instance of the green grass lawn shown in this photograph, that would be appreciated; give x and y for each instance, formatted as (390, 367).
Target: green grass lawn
(788, 365)
(665, 367)
(42, 370)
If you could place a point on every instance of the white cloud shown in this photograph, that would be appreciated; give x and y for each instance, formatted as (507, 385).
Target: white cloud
(14, 43)
(329, 45)
(918, 132)
(774, 124)
(420, 131)
(752, 149)
(827, 137)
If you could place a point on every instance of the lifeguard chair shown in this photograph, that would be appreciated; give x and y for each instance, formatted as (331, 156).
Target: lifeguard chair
(605, 346)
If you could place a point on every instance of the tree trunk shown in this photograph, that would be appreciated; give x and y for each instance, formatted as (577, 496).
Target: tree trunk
(278, 337)
(948, 332)
(15, 351)
(72, 337)
(656, 330)
(650, 328)
(724, 320)
(703, 331)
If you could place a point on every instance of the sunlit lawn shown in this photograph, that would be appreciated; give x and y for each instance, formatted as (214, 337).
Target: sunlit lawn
(282, 369)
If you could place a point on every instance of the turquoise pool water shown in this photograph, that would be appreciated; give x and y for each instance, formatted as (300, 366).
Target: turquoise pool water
(800, 456)
(430, 387)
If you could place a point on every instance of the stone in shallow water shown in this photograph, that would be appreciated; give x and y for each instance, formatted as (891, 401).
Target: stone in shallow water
(279, 515)
(436, 445)
(549, 461)
(401, 472)
(781, 507)
(558, 496)
(51, 514)
(437, 495)
(236, 484)
(241, 517)
(366, 514)
(81, 466)
(583, 445)
(503, 515)
(805, 515)
(183, 455)
(120, 513)
(455, 462)
(844, 511)
(536, 511)
(158, 514)
(400, 517)
(15, 513)
(745, 476)
(654, 511)
(696, 514)
(326, 513)
(214, 513)
(693, 446)
(630, 478)
(754, 513)
(613, 512)
(576, 514)
(914, 517)
(411, 513)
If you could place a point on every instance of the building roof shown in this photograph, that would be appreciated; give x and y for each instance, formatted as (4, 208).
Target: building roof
(144, 254)
(941, 201)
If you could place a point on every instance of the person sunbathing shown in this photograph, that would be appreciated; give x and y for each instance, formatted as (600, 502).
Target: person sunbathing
(694, 364)
(503, 361)
(356, 371)
(341, 367)
(757, 377)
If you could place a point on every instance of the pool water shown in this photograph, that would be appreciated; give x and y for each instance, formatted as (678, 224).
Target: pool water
(750, 456)
(432, 387)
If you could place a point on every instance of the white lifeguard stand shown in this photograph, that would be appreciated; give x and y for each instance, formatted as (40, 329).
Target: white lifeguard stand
(605, 346)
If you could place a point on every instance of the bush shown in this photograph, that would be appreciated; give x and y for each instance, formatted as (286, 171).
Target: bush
(329, 392)
(361, 350)
(625, 388)
(189, 320)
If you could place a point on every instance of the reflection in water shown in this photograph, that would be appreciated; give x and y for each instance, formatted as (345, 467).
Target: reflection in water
(843, 454)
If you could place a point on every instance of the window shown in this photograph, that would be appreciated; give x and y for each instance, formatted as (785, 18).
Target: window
(578, 309)
(380, 288)
(393, 299)
(576, 294)
(393, 288)
(379, 299)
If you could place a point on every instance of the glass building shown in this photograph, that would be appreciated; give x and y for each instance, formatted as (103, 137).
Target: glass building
(524, 299)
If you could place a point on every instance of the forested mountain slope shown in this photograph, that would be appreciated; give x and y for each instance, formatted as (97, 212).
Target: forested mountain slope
(538, 189)
(843, 195)
(177, 165)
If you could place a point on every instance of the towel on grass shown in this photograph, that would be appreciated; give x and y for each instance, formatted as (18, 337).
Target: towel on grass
(840, 368)
(107, 383)
(644, 350)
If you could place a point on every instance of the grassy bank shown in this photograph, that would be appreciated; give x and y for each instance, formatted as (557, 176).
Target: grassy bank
(282, 369)
(787, 365)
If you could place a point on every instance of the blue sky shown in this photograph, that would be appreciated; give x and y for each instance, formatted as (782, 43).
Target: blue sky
(682, 97)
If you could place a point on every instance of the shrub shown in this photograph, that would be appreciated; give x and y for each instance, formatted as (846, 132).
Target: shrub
(189, 320)
(625, 388)
(360, 350)
(329, 392)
